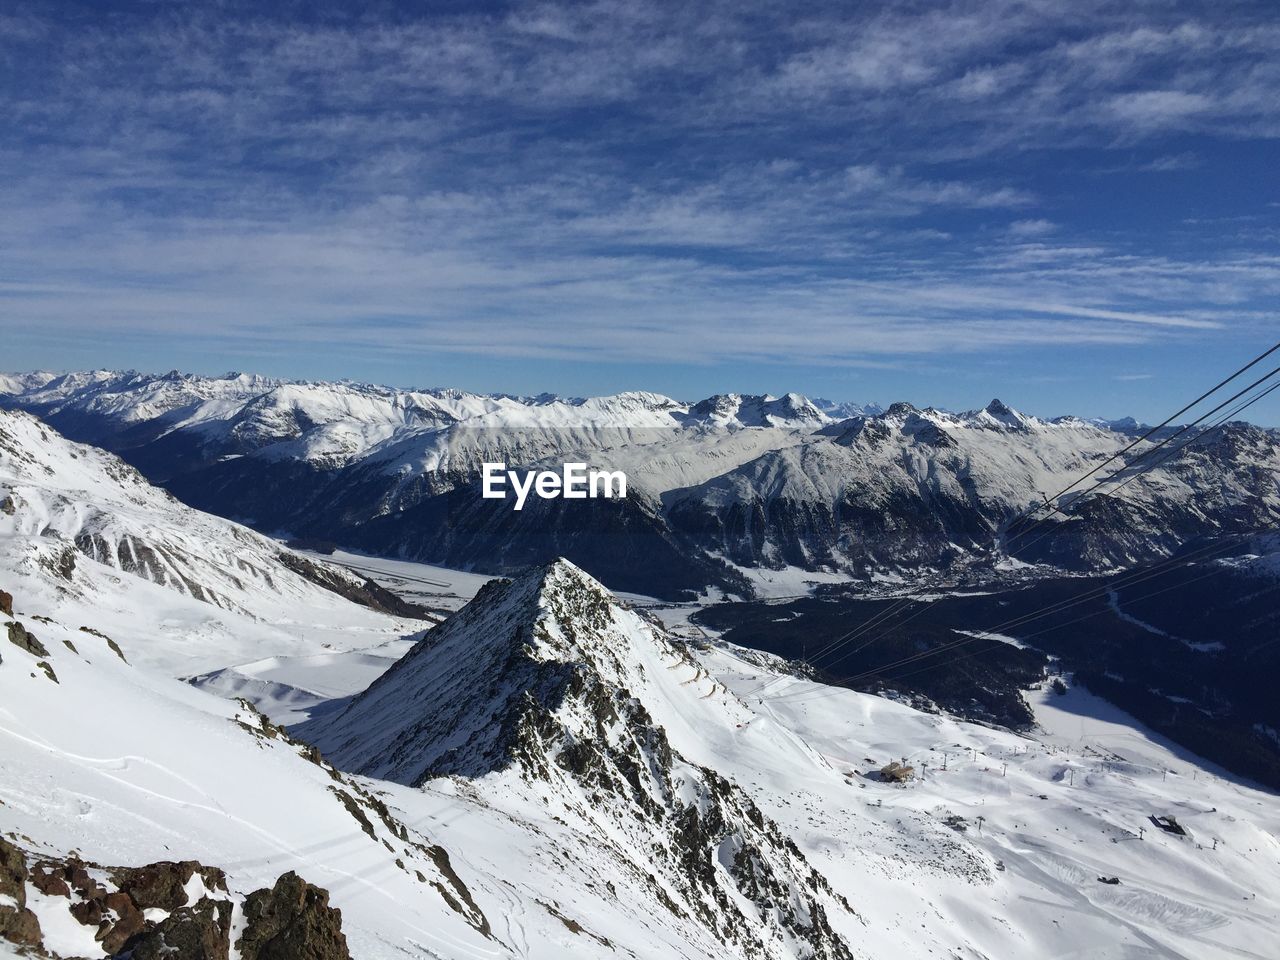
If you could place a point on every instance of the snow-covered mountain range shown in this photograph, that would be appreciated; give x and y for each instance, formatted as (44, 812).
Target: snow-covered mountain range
(718, 489)
(548, 773)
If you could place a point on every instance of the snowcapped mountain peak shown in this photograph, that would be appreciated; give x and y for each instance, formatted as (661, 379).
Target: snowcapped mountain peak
(562, 575)
(561, 698)
(648, 399)
(457, 702)
(899, 410)
(1000, 416)
(717, 406)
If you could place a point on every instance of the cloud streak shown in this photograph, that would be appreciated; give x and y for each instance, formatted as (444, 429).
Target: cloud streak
(623, 181)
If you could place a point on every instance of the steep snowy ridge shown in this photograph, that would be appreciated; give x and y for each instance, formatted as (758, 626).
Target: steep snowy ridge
(591, 736)
(552, 691)
(77, 521)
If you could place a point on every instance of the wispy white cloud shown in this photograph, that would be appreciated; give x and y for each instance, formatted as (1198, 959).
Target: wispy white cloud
(617, 180)
(1036, 227)
(1171, 163)
(1158, 109)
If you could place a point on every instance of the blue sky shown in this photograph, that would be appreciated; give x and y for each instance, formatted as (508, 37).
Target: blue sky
(1074, 207)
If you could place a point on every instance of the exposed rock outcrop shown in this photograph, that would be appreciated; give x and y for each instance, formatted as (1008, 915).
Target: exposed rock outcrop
(171, 910)
(111, 644)
(163, 885)
(17, 923)
(292, 921)
(201, 931)
(22, 638)
(364, 592)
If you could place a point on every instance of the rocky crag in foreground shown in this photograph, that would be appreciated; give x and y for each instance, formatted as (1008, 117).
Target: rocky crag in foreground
(555, 694)
(178, 911)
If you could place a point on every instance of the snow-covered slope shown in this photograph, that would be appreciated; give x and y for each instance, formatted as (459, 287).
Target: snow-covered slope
(925, 488)
(15, 384)
(109, 590)
(80, 526)
(124, 767)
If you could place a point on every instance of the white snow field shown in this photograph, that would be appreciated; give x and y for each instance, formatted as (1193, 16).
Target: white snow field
(124, 766)
(124, 763)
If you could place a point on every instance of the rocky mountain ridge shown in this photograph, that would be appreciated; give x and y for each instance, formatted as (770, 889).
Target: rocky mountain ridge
(548, 688)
